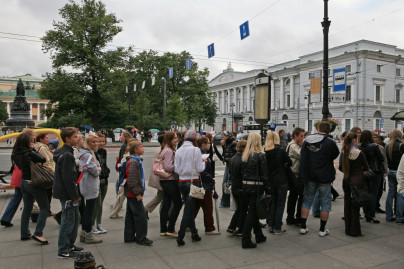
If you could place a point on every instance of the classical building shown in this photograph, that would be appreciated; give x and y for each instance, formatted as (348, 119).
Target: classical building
(32, 84)
(374, 90)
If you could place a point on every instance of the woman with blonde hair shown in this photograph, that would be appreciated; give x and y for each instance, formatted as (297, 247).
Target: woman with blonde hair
(394, 151)
(89, 186)
(277, 160)
(255, 182)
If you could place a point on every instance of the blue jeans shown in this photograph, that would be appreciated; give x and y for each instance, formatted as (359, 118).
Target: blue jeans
(324, 191)
(316, 205)
(29, 194)
(69, 226)
(277, 206)
(225, 201)
(400, 208)
(12, 205)
(188, 215)
(391, 194)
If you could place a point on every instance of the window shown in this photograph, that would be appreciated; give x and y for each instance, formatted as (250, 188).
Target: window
(348, 93)
(398, 72)
(379, 68)
(348, 68)
(310, 127)
(288, 100)
(397, 96)
(377, 125)
(347, 125)
(35, 117)
(378, 93)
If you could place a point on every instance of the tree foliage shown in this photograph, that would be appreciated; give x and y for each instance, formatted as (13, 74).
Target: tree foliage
(3, 113)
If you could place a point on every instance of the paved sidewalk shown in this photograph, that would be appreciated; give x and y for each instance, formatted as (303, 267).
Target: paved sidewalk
(381, 247)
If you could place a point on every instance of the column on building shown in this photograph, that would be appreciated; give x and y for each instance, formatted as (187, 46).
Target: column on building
(235, 99)
(228, 100)
(242, 98)
(292, 91)
(281, 94)
(46, 118)
(249, 97)
(8, 108)
(30, 111)
(222, 100)
(272, 94)
(39, 111)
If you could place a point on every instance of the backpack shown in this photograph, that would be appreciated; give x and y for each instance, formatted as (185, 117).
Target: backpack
(123, 172)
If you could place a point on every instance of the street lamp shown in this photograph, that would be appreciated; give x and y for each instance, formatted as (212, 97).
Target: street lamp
(262, 110)
(232, 117)
(326, 26)
(308, 111)
(164, 81)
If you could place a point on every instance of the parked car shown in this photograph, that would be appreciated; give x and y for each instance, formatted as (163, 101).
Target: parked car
(216, 139)
(241, 136)
(53, 143)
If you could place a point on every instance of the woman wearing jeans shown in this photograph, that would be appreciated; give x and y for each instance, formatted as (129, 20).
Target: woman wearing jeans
(23, 154)
(188, 165)
(89, 187)
(171, 192)
(394, 151)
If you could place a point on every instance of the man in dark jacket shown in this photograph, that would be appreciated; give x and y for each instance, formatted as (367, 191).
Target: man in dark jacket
(317, 170)
(229, 145)
(65, 189)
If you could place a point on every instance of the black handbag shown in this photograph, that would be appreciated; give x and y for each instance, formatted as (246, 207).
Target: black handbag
(263, 206)
(360, 196)
(41, 177)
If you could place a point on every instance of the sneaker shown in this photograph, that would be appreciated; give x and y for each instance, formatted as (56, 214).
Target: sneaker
(76, 248)
(145, 242)
(230, 231)
(238, 233)
(67, 255)
(96, 231)
(304, 230)
(91, 239)
(326, 232)
(101, 229)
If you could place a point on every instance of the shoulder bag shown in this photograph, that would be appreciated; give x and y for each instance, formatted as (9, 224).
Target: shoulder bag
(158, 168)
(41, 177)
(195, 191)
(360, 196)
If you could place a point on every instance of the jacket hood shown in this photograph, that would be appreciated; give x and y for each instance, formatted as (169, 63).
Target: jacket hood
(61, 151)
(84, 151)
(353, 154)
(314, 142)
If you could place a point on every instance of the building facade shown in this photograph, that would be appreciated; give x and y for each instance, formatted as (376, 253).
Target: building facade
(374, 90)
(32, 84)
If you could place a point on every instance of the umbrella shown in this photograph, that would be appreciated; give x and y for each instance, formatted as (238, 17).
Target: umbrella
(154, 131)
(215, 197)
(118, 130)
(212, 132)
(398, 116)
(378, 131)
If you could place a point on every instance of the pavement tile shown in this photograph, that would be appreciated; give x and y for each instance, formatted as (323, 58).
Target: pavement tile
(276, 264)
(236, 256)
(29, 261)
(314, 260)
(356, 255)
(389, 265)
(195, 260)
(154, 263)
(125, 252)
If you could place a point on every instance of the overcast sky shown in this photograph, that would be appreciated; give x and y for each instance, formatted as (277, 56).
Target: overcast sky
(280, 30)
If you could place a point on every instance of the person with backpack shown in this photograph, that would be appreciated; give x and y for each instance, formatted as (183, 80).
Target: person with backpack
(135, 219)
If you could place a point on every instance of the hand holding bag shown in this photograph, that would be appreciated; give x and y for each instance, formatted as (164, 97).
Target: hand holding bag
(195, 191)
(41, 177)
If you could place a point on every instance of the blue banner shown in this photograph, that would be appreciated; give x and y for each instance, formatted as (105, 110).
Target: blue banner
(211, 50)
(171, 72)
(188, 64)
(244, 30)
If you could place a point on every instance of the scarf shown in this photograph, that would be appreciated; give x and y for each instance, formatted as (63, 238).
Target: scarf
(141, 171)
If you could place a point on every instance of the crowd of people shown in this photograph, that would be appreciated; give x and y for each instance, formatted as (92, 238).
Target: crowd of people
(296, 174)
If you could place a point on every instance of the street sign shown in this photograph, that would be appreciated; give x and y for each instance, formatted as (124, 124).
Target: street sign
(381, 123)
(272, 126)
(211, 50)
(244, 30)
(188, 64)
(337, 98)
(339, 79)
(171, 72)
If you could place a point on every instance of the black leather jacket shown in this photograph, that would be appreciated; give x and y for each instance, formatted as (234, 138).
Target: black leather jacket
(229, 149)
(22, 158)
(255, 169)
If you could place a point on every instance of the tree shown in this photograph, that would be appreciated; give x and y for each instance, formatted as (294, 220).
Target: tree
(94, 89)
(3, 113)
(175, 110)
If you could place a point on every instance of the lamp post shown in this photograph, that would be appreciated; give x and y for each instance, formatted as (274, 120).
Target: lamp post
(232, 117)
(262, 110)
(308, 112)
(164, 81)
(326, 26)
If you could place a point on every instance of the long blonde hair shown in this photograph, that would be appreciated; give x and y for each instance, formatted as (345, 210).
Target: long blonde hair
(254, 145)
(87, 142)
(395, 135)
(272, 140)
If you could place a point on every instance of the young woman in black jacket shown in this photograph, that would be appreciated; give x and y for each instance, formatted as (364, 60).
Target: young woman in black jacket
(255, 182)
(277, 159)
(236, 177)
(23, 154)
(375, 161)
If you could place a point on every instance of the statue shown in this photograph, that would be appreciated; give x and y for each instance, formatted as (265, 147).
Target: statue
(20, 88)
